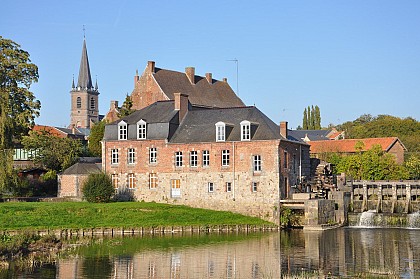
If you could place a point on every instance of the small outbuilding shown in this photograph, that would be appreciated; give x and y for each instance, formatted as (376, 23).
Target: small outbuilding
(70, 182)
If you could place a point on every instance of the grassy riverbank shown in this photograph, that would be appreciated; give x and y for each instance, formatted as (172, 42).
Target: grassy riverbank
(83, 215)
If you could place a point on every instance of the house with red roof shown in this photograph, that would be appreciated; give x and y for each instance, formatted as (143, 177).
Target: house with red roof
(391, 145)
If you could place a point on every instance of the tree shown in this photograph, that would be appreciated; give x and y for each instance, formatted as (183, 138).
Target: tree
(18, 106)
(51, 151)
(126, 107)
(98, 188)
(317, 118)
(413, 166)
(305, 120)
(95, 137)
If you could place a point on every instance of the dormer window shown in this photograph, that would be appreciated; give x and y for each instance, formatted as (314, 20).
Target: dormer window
(122, 130)
(141, 129)
(220, 131)
(245, 130)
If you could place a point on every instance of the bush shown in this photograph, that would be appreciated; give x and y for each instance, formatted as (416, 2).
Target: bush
(98, 188)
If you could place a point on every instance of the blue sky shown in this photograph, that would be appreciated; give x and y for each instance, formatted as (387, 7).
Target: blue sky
(347, 57)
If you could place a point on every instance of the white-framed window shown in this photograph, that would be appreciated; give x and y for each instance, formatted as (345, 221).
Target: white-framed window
(220, 131)
(254, 186)
(206, 158)
(153, 155)
(115, 180)
(175, 188)
(131, 156)
(79, 102)
(131, 181)
(245, 130)
(210, 187)
(122, 130)
(114, 156)
(153, 179)
(256, 162)
(228, 187)
(225, 158)
(141, 129)
(178, 159)
(193, 158)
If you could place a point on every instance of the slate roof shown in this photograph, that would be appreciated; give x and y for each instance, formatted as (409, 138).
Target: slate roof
(83, 168)
(311, 134)
(199, 125)
(159, 112)
(218, 94)
(85, 80)
(348, 145)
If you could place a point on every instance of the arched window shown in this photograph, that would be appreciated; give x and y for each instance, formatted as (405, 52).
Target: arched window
(79, 102)
(92, 103)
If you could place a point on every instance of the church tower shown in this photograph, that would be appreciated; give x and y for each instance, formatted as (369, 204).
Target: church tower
(84, 96)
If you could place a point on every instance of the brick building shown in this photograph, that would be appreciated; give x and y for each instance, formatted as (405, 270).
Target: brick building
(156, 84)
(232, 158)
(392, 145)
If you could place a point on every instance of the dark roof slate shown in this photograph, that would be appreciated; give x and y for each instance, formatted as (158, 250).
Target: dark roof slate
(159, 112)
(312, 134)
(199, 125)
(83, 168)
(85, 80)
(218, 94)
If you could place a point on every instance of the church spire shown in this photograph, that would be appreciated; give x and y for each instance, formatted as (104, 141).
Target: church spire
(85, 80)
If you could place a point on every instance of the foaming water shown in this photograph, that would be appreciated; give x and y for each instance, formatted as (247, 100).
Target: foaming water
(414, 220)
(366, 219)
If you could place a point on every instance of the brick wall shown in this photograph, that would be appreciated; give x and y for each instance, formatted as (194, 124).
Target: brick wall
(146, 91)
(194, 180)
(70, 185)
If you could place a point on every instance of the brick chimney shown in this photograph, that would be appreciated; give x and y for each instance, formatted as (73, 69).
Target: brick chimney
(181, 104)
(225, 80)
(114, 105)
(209, 78)
(283, 129)
(190, 72)
(151, 67)
(136, 77)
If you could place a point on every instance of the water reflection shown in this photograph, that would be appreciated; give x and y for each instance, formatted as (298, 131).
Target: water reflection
(339, 253)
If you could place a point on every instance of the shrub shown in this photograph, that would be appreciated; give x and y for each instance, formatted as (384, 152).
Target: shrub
(98, 188)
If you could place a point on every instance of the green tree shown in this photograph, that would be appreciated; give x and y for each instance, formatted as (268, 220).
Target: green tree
(95, 137)
(412, 165)
(126, 107)
(18, 106)
(317, 118)
(51, 151)
(309, 118)
(98, 188)
(305, 120)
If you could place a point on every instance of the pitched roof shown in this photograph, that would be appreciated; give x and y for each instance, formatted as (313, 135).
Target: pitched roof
(199, 125)
(85, 80)
(59, 132)
(311, 134)
(348, 145)
(159, 112)
(217, 94)
(83, 168)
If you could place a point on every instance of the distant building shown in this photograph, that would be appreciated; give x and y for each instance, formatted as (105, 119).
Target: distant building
(315, 135)
(390, 145)
(84, 96)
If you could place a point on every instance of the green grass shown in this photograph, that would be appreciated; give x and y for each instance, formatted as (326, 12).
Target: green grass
(83, 215)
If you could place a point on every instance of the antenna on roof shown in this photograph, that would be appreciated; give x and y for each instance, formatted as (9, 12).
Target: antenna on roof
(237, 74)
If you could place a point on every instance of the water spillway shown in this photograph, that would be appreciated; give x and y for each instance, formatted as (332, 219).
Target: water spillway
(372, 219)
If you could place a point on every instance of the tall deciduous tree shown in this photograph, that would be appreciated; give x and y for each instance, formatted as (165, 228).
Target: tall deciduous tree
(95, 137)
(18, 106)
(312, 118)
(51, 151)
(317, 118)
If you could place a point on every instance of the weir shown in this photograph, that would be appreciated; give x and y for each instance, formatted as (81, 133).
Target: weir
(372, 219)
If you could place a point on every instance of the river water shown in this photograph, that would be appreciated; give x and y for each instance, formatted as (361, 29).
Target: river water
(339, 253)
